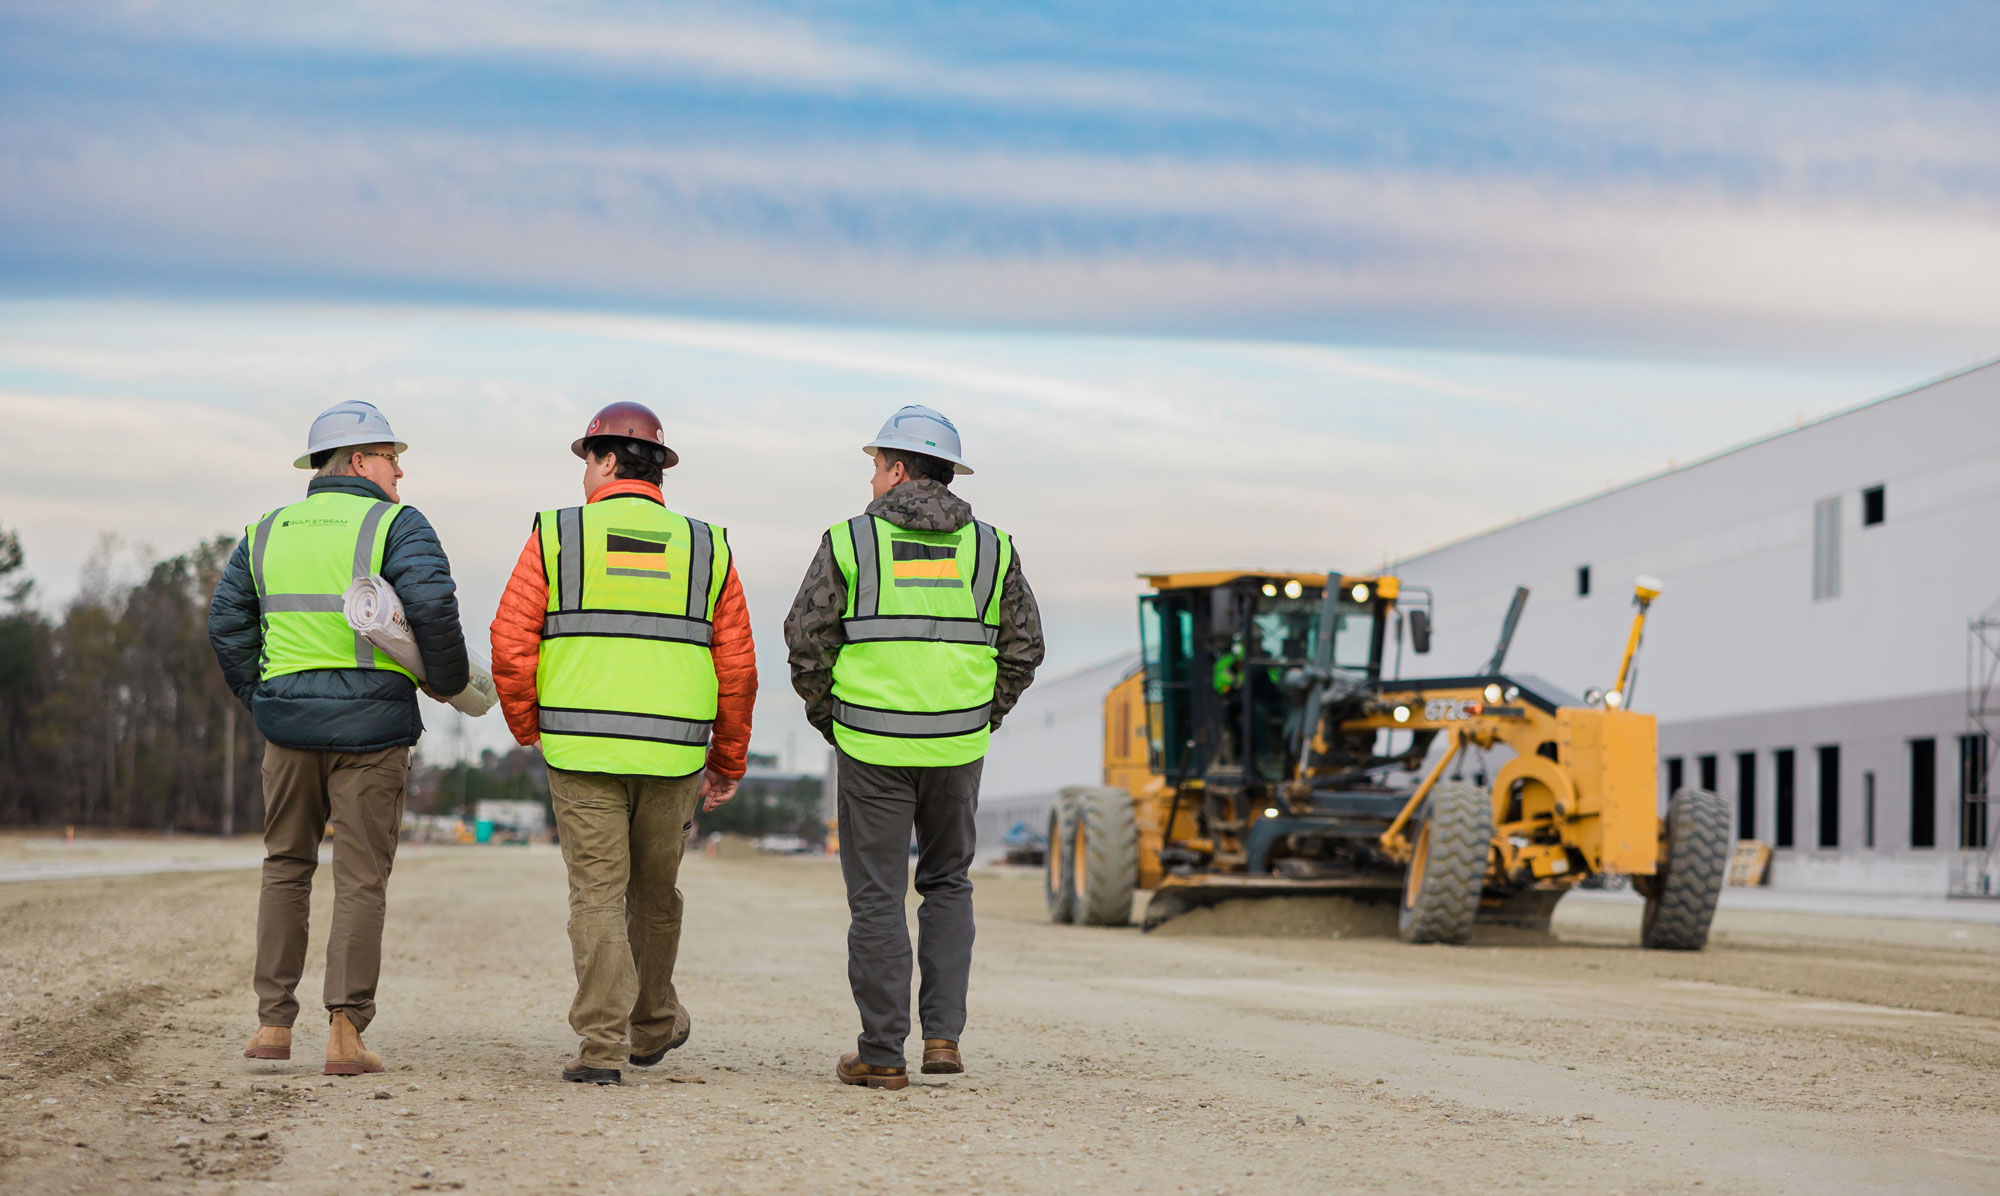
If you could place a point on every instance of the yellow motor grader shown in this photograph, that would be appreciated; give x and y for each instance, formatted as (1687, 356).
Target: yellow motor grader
(1262, 749)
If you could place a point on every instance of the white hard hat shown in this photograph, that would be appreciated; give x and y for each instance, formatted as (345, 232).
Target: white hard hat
(917, 429)
(351, 423)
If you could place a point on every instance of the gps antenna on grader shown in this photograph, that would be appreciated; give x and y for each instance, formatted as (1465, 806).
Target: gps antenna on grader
(1260, 750)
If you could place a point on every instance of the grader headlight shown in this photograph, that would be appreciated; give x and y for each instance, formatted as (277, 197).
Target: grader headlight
(1359, 593)
(1293, 589)
(1493, 693)
(1401, 714)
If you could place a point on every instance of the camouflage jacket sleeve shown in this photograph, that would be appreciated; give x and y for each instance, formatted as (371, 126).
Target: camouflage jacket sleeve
(813, 637)
(1020, 645)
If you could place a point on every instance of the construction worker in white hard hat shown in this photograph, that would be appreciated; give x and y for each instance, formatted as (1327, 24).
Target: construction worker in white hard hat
(338, 715)
(912, 636)
(622, 646)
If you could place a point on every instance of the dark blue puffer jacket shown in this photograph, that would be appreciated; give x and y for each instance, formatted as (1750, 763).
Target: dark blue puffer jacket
(346, 710)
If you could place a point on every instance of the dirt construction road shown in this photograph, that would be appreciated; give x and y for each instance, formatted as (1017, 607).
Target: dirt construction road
(1287, 1051)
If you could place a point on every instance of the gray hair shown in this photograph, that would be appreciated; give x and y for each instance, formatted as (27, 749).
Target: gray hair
(341, 463)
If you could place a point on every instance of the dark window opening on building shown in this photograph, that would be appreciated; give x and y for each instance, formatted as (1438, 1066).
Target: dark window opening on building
(1868, 809)
(1673, 776)
(1583, 581)
(1923, 793)
(1874, 505)
(1706, 765)
(1746, 795)
(1972, 791)
(1783, 760)
(1829, 795)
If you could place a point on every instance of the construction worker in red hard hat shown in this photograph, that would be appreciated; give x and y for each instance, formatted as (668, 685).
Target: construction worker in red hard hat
(622, 645)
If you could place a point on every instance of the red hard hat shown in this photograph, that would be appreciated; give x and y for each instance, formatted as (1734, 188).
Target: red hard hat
(630, 421)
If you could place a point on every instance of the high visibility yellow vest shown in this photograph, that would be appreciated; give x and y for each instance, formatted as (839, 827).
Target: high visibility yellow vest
(302, 559)
(627, 681)
(913, 685)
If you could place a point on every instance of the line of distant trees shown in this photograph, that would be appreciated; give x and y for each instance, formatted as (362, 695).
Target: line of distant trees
(113, 712)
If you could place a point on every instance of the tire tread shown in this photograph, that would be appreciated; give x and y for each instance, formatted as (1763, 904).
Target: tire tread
(1447, 906)
(1697, 862)
(1111, 874)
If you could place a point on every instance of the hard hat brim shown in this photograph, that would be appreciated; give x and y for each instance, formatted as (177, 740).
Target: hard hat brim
(306, 462)
(576, 446)
(958, 467)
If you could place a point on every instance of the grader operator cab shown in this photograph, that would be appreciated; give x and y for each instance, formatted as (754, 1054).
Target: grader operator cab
(1262, 749)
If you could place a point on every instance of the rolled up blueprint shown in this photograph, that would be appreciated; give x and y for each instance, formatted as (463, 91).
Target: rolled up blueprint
(374, 610)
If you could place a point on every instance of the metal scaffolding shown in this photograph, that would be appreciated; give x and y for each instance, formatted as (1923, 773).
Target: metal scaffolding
(1978, 870)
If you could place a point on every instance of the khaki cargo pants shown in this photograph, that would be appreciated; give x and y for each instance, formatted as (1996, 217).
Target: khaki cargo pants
(622, 838)
(359, 796)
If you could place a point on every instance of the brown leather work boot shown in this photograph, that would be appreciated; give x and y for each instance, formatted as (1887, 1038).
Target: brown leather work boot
(851, 1070)
(345, 1056)
(941, 1057)
(270, 1042)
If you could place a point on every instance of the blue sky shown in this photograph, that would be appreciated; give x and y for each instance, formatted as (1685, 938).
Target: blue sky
(1752, 178)
(1305, 286)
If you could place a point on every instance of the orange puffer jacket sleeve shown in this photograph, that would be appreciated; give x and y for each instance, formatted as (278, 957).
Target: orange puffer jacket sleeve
(517, 642)
(736, 680)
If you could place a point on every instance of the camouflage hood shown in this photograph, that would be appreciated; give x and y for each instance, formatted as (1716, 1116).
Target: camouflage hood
(922, 505)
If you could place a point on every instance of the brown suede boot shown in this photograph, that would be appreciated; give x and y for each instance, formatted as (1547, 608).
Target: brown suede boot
(345, 1056)
(941, 1057)
(271, 1042)
(851, 1070)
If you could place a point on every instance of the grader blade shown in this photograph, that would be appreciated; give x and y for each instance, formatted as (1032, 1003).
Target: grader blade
(1171, 900)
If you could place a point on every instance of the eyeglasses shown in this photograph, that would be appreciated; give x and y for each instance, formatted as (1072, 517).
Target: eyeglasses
(391, 458)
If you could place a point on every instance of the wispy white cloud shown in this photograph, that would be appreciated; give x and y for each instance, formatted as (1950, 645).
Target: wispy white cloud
(1044, 239)
(1786, 133)
(765, 49)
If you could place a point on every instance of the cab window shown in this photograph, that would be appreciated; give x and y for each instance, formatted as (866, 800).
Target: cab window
(1166, 635)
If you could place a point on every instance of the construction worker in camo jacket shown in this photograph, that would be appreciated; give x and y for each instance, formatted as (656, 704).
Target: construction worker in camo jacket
(623, 645)
(913, 634)
(337, 714)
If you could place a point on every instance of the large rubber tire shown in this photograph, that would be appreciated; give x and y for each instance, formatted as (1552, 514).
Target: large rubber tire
(1447, 870)
(1680, 901)
(1104, 869)
(1057, 887)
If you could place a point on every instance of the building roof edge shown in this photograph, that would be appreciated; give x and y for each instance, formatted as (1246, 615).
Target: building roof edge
(1400, 562)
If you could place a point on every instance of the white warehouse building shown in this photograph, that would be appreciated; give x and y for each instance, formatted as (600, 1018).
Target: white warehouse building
(1815, 658)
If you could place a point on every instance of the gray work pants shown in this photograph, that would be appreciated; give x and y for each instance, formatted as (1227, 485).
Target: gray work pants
(879, 807)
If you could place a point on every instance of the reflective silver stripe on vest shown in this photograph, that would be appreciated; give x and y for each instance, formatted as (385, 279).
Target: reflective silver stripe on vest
(263, 541)
(920, 628)
(912, 726)
(364, 545)
(259, 539)
(301, 604)
(867, 567)
(986, 567)
(701, 544)
(629, 624)
(569, 557)
(364, 559)
(653, 728)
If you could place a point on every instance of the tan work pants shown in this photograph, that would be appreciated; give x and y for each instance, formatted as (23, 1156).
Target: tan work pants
(622, 837)
(360, 797)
